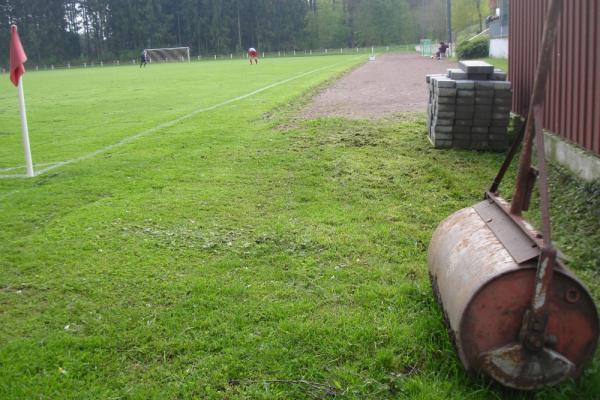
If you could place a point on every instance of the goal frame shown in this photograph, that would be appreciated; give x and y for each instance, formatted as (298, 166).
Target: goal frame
(162, 49)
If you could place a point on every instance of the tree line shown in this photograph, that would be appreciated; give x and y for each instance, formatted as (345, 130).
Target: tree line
(55, 31)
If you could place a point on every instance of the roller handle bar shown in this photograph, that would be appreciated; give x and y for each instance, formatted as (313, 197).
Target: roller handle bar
(535, 321)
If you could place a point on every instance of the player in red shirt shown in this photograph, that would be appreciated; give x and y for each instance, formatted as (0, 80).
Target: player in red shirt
(253, 55)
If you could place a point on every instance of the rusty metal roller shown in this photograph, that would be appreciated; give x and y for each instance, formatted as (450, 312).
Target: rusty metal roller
(513, 309)
(486, 293)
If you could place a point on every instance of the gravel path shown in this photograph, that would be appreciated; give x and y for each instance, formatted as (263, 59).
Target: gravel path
(391, 84)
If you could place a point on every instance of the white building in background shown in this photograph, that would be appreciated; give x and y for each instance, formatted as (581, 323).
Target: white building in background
(498, 29)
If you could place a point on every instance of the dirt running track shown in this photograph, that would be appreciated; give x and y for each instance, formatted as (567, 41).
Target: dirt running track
(393, 83)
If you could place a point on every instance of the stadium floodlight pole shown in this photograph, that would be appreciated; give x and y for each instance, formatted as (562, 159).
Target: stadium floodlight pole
(449, 15)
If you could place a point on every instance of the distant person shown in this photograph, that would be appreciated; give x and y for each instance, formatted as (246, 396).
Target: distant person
(441, 50)
(143, 59)
(252, 55)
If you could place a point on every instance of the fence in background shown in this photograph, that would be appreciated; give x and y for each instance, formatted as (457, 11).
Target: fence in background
(425, 47)
(428, 48)
(231, 56)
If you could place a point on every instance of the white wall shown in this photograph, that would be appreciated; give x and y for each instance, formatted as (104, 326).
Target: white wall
(581, 162)
(499, 48)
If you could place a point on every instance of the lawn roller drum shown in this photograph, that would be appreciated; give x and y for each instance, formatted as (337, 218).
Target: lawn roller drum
(513, 309)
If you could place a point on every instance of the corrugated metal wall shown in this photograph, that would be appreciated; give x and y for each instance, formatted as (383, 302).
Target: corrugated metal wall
(572, 107)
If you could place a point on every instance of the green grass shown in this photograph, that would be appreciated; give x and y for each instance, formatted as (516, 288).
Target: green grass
(501, 63)
(239, 254)
(110, 104)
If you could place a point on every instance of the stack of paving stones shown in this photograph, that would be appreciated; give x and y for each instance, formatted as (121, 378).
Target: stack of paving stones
(469, 107)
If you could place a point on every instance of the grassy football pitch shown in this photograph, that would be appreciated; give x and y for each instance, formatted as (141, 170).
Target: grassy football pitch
(190, 238)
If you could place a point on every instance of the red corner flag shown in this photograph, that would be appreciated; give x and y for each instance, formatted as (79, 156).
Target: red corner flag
(17, 56)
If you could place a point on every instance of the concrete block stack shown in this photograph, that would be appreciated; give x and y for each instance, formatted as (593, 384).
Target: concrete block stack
(469, 107)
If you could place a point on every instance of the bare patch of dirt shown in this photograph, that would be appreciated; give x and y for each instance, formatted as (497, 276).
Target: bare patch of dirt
(393, 83)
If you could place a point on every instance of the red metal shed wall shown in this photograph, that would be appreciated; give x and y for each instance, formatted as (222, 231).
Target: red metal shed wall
(572, 107)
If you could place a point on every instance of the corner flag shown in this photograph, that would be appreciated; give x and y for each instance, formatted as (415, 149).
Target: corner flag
(17, 58)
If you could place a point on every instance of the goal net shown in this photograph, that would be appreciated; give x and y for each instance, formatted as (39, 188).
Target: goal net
(169, 54)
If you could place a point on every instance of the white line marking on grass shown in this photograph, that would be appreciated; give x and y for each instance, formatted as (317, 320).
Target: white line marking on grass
(8, 176)
(23, 167)
(169, 124)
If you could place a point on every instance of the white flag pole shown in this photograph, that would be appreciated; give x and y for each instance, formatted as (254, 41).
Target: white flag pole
(25, 129)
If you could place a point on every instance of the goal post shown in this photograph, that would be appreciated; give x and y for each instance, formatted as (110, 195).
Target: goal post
(169, 54)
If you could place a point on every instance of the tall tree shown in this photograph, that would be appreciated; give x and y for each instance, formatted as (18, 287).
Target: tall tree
(61, 30)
